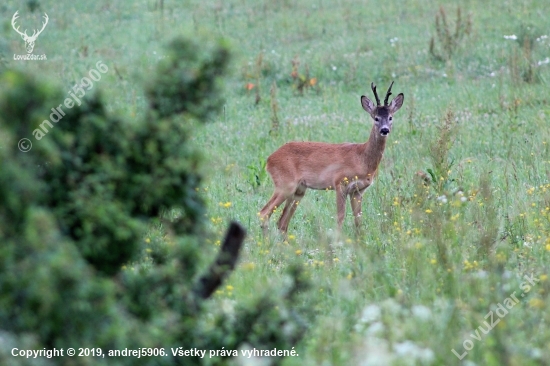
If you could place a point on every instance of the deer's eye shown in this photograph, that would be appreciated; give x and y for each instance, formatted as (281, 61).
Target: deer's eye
(376, 119)
(391, 118)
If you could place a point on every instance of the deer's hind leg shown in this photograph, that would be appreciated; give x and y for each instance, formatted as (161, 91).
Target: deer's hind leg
(290, 208)
(266, 212)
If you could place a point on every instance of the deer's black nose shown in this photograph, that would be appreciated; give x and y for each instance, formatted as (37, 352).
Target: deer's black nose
(384, 131)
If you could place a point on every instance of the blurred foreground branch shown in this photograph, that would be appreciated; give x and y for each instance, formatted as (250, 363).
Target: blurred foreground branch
(224, 264)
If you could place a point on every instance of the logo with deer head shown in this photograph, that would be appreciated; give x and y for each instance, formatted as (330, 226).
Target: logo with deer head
(29, 40)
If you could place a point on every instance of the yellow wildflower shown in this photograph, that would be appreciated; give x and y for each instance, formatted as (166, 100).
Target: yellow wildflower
(537, 303)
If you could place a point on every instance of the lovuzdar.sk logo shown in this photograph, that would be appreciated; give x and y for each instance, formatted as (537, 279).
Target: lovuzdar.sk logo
(29, 40)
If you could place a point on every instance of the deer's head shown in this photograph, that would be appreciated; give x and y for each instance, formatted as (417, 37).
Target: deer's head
(29, 40)
(382, 114)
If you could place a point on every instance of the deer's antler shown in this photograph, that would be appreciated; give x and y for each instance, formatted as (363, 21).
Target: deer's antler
(373, 87)
(388, 94)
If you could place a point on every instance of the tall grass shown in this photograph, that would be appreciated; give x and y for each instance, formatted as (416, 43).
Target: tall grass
(460, 210)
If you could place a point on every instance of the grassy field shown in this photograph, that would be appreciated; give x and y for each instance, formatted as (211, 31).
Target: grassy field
(460, 211)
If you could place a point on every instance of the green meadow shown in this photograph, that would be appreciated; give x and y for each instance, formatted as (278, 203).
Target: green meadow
(451, 265)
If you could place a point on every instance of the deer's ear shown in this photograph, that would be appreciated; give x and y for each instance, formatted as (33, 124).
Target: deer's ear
(368, 105)
(396, 103)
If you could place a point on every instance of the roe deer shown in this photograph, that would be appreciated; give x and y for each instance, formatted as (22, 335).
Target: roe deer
(347, 168)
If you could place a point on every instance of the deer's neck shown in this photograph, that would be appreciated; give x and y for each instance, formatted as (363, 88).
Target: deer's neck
(373, 151)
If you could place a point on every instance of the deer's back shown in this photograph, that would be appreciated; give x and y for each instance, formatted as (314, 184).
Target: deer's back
(311, 161)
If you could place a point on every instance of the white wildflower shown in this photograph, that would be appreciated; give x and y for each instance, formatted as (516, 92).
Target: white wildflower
(371, 313)
(374, 352)
(376, 328)
(481, 274)
(414, 353)
(421, 312)
(391, 307)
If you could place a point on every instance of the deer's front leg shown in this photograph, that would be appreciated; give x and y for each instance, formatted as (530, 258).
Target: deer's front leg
(356, 199)
(340, 203)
